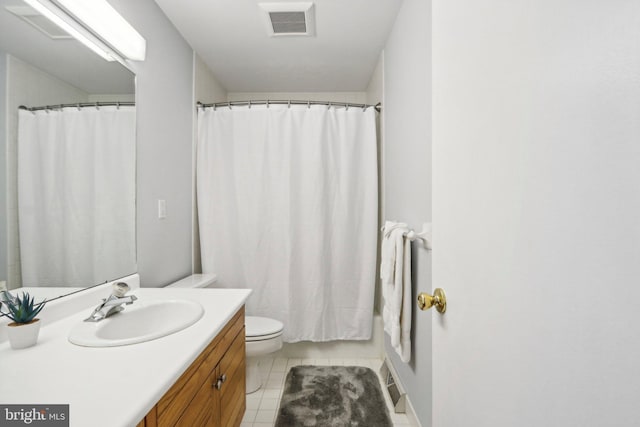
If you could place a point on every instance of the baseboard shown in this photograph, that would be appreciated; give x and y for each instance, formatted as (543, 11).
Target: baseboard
(409, 411)
(411, 414)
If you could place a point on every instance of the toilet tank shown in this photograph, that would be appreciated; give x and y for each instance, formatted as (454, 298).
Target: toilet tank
(196, 281)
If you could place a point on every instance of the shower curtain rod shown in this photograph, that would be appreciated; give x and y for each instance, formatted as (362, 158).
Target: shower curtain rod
(267, 102)
(79, 105)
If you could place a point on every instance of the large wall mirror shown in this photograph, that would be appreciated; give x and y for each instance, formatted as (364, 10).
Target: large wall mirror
(67, 209)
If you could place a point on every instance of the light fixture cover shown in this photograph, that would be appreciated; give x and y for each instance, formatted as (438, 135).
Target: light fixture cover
(39, 21)
(67, 24)
(102, 19)
(97, 25)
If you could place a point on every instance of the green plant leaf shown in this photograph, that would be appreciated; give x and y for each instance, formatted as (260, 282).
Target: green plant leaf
(24, 309)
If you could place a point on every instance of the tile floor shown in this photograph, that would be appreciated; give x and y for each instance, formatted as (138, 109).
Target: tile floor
(262, 405)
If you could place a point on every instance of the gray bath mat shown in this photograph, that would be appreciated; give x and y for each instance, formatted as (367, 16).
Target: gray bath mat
(332, 396)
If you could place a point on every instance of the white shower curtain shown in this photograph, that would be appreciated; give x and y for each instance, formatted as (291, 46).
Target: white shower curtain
(76, 195)
(287, 204)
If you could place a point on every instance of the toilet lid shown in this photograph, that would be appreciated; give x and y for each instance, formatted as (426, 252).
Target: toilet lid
(262, 326)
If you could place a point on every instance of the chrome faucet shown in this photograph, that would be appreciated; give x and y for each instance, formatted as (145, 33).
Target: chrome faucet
(113, 304)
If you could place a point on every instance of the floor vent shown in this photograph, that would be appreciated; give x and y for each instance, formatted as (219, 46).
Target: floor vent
(289, 19)
(393, 388)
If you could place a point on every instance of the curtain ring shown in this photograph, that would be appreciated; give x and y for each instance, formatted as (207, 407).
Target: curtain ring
(289, 104)
(267, 103)
(346, 107)
(329, 106)
(118, 105)
(249, 105)
(364, 108)
(309, 104)
(78, 105)
(229, 105)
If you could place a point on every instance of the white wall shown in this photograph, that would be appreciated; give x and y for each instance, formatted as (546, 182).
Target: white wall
(165, 108)
(375, 88)
(375, 95)
(407, 175)
(124, 97)
(536, 203)
(207, 88)
(31, 87)
(355, 97)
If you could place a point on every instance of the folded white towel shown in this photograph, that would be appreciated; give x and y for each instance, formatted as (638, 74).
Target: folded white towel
(392, 233)
(395, 274)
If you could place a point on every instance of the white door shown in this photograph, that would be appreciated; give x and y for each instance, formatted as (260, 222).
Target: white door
(536, 213)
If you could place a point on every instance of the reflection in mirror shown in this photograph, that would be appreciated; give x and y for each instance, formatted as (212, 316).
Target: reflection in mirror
(67, 205)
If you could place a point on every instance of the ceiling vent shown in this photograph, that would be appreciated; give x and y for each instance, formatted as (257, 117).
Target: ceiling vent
(39, 21)
(289, 19)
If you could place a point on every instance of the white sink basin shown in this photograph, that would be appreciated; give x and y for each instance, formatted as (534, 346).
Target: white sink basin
(139, 322)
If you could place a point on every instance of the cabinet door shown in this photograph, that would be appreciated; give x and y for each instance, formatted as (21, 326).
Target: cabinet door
(202, 407)
(214, 417)
(232, 391)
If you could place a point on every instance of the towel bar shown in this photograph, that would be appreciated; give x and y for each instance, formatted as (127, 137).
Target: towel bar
(424, 235)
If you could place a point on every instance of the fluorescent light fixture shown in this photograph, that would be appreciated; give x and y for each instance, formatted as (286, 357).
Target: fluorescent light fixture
(97, 25)
(39, 21)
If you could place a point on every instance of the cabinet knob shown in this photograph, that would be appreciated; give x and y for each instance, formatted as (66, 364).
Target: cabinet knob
(221, 379)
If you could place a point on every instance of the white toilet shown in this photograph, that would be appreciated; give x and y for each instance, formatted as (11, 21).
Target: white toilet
(263, 335)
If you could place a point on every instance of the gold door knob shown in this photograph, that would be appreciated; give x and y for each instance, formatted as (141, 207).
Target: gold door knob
(439, 300)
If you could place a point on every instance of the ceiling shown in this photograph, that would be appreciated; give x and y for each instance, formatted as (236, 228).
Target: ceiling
(231, 37)
(66, 59)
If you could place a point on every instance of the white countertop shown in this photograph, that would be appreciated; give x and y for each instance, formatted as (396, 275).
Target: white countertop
(115, 386)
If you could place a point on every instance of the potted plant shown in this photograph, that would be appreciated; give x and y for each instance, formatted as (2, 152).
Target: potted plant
(23, 331)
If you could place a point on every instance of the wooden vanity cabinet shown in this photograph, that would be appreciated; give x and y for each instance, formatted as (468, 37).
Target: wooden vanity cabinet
(211, 392)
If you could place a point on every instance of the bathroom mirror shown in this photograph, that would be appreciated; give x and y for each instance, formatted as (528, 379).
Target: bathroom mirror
(40, 65)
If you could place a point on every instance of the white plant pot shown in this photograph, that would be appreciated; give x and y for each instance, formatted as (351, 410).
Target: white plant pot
(23, 335)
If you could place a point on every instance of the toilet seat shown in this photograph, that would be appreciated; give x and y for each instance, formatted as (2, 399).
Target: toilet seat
(263, 336)
(262, 328)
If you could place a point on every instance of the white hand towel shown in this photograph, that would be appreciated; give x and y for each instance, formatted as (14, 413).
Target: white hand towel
(395, 272)
(388, 250)
(404, 346)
